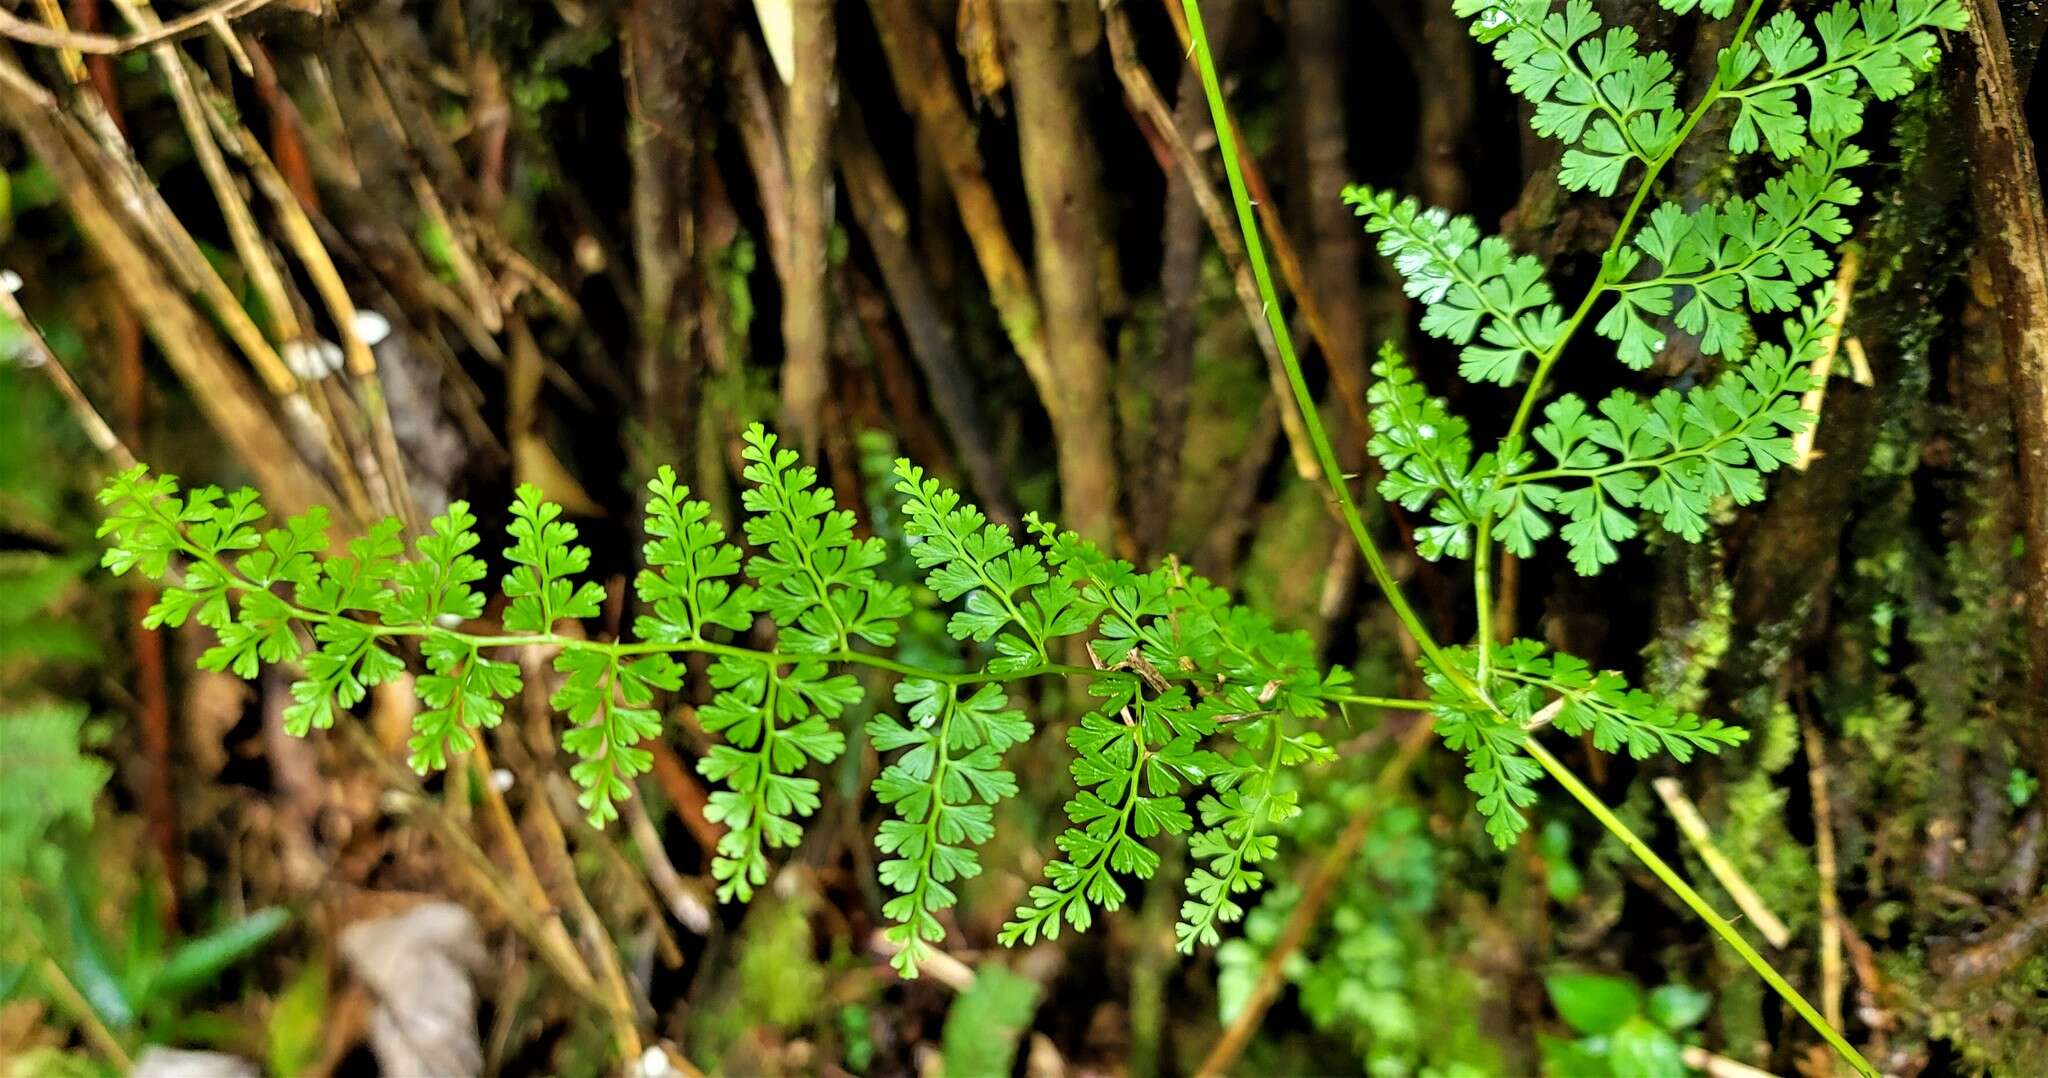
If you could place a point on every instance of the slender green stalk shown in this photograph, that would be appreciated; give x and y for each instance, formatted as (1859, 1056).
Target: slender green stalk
(1312, 422)
(1255, 252)
(1699, 905)
(1393, 703)
(619, 648)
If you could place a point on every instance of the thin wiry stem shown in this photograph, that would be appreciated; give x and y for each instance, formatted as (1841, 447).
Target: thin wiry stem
(1226, 141)
(1563, 775)
(1390, 702)
(1699, 905)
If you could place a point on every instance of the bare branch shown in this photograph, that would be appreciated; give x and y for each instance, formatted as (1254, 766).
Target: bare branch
(186, 25)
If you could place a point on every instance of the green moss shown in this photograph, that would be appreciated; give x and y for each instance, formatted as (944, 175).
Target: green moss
(777, 984)
(1694, 627)
(1998, 1025)
(1290, 555)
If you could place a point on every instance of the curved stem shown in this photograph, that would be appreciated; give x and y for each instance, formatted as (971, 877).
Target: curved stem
(1699, 905)
(1255, 253)
(1348, 509)
(70, 999)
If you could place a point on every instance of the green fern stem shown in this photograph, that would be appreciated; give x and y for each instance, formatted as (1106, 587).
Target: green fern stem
(1392, 703)
(623, 648)
(1255, 252)
(823, 592)
(1699, 905)
(1511, 442)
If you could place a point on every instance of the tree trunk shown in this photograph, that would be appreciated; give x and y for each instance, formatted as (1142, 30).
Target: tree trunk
(1060, 182)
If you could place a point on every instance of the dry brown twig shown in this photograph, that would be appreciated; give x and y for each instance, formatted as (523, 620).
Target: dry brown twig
(199, 21)
(1348, 385)
(221, 390)
(111, 159)
(1694, 826)
(1145, 100)
(1314, 894)
(917, 63)
(614, 992)
(885, 221)
(200, 111)
(40, 356)
(807, 147)
(205, 131)
(689, 905)
(513, 850)
(562, 798)
(1824, 853)
(301, 235)
(1824, 363)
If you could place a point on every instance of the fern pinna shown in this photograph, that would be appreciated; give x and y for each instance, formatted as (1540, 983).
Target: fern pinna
(1191, 694)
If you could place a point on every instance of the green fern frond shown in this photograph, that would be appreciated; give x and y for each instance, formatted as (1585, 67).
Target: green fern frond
(545, 555)
(815, 579)
(686, 585)
(1007, 589)
(1427, 454)
(1241, 819)
(47, 782)
(1524, 680)
(942, 786)
(1718, 9)
(1670, 457)
(1880, 45)
(1595, 92)
(1132, 759)
(1469, 286)
(775, 722)
(1718, 262)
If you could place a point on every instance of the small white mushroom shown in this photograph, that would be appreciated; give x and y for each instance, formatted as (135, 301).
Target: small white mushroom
(312, 358)
(372, 327)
